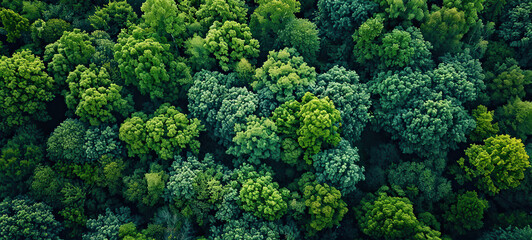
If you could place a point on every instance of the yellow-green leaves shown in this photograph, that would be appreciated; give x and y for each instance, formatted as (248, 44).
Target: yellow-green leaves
(497, 165)
(230, 42)
(25, 88)
(264, 198)
(167, 133)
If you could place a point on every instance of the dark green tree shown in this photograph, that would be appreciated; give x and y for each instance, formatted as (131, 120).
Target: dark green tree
(464, 212)
(22, 218)
(515, 118)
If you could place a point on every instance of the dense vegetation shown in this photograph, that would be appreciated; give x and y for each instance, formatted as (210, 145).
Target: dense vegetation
(265, 119)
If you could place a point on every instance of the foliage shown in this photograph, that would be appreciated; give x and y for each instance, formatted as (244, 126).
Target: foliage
(320, 124)
(350, 97)
(205, 97)
(270, 17)
(166, 132)
(406, 10)
(251, 227)
(49, 31)
(66, 142)
(13, 23)
(24, 90)
(165, 18)
(222, 11)
(485, 128)
(99, 105)
(337, 167)
(150, 66)
(428, 125)
(198, 54)
(102, 141)
(516, 29)
(471, 8)
(256, 140)
(465, 212)
(195, 187)
(22, 218)
(19, 156)
(63, 56)
(302, 35)
(264, 198)
(107, 226)
(391, 218)
(229, 42)
(325, 206)
(420, 184)
(509, 233)
(516, 118)
(508, 81)
(497, 165)
(337, 18)
(235, 107)
(112, 18)
(285, 74)
(444, 28)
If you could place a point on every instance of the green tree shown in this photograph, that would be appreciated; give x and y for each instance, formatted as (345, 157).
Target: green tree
(497, 165)
(285, 75)
(25, 88)
(222, 11)
(165, 18)
(406, 10)
(509, 233)
(366, 39)
(230, 42)
(46, 32)
(13, 24)
(391, 218)
(264, 198)
(336, 19)
(350, 97)
(107, 226)
(302, 35)
(515, 29)
(237, 105)
(464, 212)
(22, 218)
(338, 167)
(113, 17)
(150, 65)
(421, 185)
(325, 206)
(102, 104)
(320, 124)
(444, 28)
(169, 131)
(269, 18)
(63, 56)
(66, 142)
(515, 118)
(256, 140)
(205, 97)
(133, 133)
(19, 156)
(198, 54)
(471, 8)
(485, 128)
(508, 81)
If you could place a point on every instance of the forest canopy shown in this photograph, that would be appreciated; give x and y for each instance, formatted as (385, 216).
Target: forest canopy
(265, 119)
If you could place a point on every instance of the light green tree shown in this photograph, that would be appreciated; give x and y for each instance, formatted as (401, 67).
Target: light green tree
(497, 165)
(230, 42)
(25, 88)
